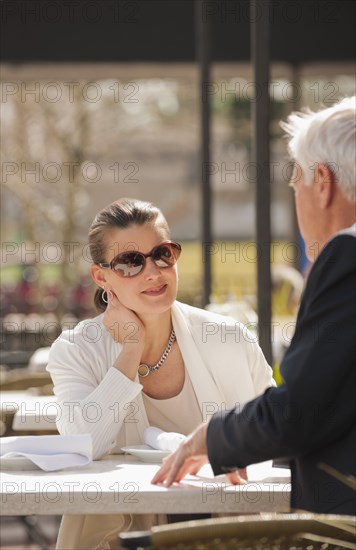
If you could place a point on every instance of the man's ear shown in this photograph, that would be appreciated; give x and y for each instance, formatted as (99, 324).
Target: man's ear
(324, 185)
(98, 275)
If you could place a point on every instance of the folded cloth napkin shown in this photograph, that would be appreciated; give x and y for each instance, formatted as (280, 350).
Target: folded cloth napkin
(49, 452)
(164, 441)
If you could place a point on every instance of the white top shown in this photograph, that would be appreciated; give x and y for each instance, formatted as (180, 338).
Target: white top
(180, 413)
(225, 365)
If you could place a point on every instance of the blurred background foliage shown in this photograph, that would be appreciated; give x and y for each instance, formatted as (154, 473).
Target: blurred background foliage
(69, 148)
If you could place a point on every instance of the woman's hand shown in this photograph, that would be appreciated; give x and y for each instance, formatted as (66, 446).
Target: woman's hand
(122, 323)
(125, 327)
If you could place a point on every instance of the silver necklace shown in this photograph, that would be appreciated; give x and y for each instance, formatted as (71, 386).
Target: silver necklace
(144, 370)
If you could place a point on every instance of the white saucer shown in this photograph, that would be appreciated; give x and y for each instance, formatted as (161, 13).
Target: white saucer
(146, 453)
(17, 463)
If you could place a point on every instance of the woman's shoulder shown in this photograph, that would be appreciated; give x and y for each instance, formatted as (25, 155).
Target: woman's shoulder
(85, 332)
(197, 316)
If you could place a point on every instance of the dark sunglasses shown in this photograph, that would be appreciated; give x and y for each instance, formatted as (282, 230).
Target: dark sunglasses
(131, 263)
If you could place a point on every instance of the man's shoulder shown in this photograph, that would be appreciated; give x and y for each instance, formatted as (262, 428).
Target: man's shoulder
(340, 251)
(336, 264)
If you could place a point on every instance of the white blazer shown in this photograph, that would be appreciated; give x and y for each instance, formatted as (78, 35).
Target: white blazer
(224, 362)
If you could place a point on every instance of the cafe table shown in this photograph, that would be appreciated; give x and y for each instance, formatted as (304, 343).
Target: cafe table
(121, 484)
(33, 413)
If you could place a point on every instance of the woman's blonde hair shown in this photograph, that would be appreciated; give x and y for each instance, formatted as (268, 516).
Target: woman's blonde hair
(119, 215)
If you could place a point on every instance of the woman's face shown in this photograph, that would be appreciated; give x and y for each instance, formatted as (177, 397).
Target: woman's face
(154, 289)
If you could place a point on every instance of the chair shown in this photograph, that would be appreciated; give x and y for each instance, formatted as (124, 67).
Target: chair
(6, 419)
(259, 532)
(20, 380)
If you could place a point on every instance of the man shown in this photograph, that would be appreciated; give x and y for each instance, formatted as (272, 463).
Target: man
(310, 418)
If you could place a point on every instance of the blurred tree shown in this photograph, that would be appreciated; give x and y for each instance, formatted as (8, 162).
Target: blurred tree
(69, 148)
(43, 155)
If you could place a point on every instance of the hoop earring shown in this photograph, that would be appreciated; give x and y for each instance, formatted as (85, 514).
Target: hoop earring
(104, 296)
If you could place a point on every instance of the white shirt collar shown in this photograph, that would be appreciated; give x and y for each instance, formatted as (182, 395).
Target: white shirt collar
(348, 231)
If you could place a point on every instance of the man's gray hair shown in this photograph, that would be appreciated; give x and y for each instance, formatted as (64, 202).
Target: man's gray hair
(326, 137)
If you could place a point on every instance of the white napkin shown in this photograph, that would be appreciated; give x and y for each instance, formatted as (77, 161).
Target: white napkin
(164, 441)
(49, 452)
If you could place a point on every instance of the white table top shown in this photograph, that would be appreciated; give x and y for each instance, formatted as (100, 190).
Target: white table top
(121, 484)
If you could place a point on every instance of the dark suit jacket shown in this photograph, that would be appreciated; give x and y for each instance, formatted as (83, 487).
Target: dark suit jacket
(310, 418)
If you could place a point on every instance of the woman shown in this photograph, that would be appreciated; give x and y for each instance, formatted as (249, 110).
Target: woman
(146, 357)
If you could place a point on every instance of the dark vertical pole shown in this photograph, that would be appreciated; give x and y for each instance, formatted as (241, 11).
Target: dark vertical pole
(294, 105)
(259, 12)
(203, 41)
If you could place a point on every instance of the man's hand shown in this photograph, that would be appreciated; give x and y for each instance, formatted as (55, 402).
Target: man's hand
(190, 456)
